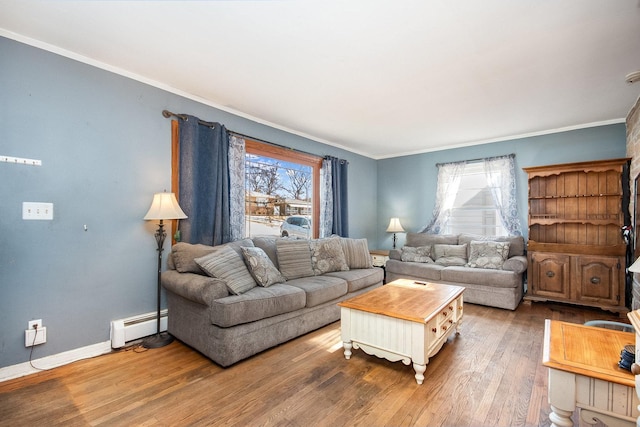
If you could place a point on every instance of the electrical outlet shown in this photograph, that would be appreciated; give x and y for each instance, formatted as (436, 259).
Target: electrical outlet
(35, 324)
(35, 336)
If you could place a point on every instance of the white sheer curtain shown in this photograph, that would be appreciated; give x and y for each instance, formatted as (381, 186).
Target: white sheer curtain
(500, 174)
(237, 153)
(326, 199)
(449, 175)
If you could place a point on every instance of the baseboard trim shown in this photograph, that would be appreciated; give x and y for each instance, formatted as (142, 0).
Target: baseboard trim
(55, 360)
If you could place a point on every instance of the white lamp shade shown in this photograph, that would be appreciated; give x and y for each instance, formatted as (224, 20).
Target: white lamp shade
(164, 206)
(635, 267)
(395, 226)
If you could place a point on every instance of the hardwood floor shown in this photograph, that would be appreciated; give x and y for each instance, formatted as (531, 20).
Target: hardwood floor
(489, 375)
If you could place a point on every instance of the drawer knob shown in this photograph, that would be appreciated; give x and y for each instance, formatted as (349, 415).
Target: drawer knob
(434, 330)
(444, 327)
(550, 274)
(445, 313)
(595, 280)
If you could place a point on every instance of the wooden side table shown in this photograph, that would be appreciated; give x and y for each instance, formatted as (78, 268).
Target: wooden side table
(584, 373)
(380, 257)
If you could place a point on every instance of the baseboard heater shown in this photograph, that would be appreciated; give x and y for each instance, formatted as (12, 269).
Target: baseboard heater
(136, 327)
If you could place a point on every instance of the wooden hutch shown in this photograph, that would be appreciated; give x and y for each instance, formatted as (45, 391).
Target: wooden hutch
(576, 251)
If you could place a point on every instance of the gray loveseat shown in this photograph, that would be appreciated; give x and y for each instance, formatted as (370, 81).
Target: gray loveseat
(235, 300)
(491, 268)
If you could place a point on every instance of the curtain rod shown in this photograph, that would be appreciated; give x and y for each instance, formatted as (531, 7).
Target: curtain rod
(167, 114)
(477, 160)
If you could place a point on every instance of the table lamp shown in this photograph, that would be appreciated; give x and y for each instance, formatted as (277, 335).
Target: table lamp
(395, 227)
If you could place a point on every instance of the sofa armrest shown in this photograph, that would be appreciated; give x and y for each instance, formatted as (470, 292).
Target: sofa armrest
(516, 263)
(194, 287)
(395, 254)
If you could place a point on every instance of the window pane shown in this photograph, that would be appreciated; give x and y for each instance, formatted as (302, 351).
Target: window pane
(276, 190)
(474, 210)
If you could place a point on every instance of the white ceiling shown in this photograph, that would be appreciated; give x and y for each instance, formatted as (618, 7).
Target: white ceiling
(377, 77)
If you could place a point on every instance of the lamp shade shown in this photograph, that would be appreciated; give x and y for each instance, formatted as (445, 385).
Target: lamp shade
(164, 206)
(635, 267)
(395, 226)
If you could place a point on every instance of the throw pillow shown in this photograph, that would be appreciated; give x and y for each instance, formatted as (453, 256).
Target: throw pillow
(294, 258)
(449, 255)
(419, 254)
(356, 251)
(488, 254)
(224, 263)
(327, 256)
(261, 267)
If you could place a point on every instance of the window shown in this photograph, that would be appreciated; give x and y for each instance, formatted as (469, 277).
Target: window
(473, 209)
(281, 191)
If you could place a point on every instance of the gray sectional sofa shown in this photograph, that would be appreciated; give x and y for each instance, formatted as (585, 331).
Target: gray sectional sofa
(235, 300)
(491, 268)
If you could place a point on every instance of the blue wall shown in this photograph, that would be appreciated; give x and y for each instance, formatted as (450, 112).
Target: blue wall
(105, 149)
(417, 175)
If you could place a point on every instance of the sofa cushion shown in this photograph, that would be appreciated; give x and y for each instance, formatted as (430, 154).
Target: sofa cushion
(225, 263)
(268, 245)
(417, 254)
(327, 255)
(488, 254)
(448, 255)
(356, 252)
(261, 267)
(420, 270)
(360, 278)
(184, 254)
(294, 258)
(427, 239)
(320, 289)
(490, 278)
(516, 243)
(255, 304)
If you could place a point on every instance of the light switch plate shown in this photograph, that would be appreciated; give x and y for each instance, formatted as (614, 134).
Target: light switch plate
(37, 211)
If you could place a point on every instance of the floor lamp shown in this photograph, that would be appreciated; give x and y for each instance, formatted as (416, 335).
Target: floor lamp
(164, 206)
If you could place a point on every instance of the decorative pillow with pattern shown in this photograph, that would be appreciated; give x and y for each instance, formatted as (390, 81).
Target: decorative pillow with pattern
(488, 254)
(419, 254)
(261, 267)
(226, 264)
(294, 258)
(356, 251)
(327, 256)
(449, 255)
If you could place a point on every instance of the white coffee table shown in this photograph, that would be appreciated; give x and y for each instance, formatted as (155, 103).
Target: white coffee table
(402, 321)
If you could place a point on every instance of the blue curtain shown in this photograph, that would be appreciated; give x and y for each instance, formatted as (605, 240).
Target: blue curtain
(340, 223)
(204, 182)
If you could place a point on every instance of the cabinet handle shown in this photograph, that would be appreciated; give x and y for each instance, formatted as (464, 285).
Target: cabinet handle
(595, 280)
(434, 330)
(445, 313)
(550, 274)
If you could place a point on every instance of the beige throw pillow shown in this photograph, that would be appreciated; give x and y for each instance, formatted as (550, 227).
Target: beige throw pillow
(224, 263)
(327, 256)
(419, 254)
(261, 267)
(294, 258)
(488, 254)
(449, 255)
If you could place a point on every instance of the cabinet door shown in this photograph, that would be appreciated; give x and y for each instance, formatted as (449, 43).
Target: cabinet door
(598, 279)
(550, 275)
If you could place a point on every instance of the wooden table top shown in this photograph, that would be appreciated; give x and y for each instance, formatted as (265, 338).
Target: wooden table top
(405, 299)
(586, 350)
